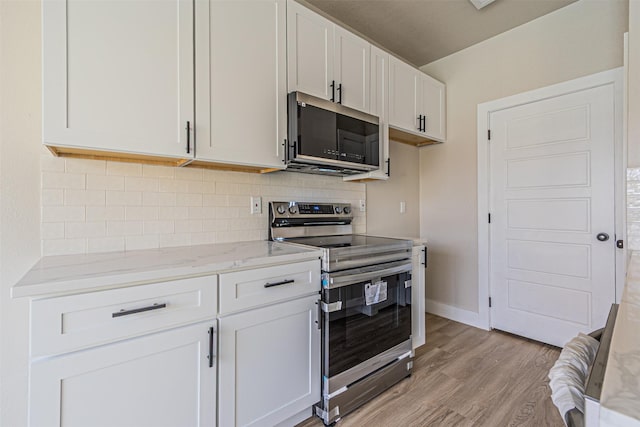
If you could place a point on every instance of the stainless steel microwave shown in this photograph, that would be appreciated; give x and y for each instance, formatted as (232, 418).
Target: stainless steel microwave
(328, 138)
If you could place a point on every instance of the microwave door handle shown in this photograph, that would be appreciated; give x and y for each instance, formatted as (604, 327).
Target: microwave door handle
(336, 281)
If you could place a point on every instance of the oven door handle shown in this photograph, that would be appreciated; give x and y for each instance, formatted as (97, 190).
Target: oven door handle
(340, 279)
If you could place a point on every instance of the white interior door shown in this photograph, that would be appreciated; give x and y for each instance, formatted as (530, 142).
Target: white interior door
(551, 196)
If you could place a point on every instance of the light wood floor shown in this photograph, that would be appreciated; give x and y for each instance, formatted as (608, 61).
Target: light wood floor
(465, 376)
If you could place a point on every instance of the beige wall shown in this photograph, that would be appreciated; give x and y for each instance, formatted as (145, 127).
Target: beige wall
(633, 89)
(580, 39)
(384, 197)
(19, 192)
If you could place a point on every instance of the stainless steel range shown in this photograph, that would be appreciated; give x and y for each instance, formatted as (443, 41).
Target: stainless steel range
(366, 303)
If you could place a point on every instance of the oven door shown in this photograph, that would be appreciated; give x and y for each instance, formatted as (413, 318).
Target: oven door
(366, 320)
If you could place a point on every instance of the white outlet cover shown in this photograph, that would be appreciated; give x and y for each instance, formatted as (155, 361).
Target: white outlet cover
(363, 205)
(256, 205)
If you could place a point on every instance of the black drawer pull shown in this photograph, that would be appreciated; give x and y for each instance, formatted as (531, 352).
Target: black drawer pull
(284, 282)
(138, 310)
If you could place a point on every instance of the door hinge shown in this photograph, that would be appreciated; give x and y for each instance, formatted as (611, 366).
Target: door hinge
(489, 215)
(489, 301)
(489, 134)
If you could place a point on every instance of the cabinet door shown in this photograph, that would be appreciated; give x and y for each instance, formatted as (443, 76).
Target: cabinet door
(418, 328)
(162, 379)
(352, 70)
(269, 363)
(118, 75)
(309, 51)
(241, 82)
(403, 95)
(379, 97)
(433, 107)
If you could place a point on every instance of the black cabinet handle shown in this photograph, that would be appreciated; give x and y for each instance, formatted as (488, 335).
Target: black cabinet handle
(424, 123)
(420, 122)
(388, 162)
(333, 90)
(211, 340)
(319, 313)
(340, 93)
(138, 310)
(284, 282)
(425, 257)
(188, 137)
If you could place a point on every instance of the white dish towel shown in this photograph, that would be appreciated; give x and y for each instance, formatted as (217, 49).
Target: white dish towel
(568, 376)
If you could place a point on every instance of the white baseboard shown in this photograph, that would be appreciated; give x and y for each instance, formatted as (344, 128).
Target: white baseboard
(467, 317)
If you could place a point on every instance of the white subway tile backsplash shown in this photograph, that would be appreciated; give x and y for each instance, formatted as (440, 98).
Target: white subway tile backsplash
(190, 174)
(52, 197)
(74, 230)
(63, 213)
(141, 213)
(52, 230)
(124, 198)
(134, 183)
(63, 180)
(84, 197)
(105, 182)
(169, 240)
(106, 244)
(50, 163)
(159, 227)
(124, 169)
(152, 171)
(105, 213)
(63, 246)
(96, 167)
(173, 212)
(124, 228)
(203, 238)
(94, 206)
(132, 243)
(188, 199)
(188, 226)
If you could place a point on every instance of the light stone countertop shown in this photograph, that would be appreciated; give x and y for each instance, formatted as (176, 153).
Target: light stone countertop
(620, 398)
(57, 275)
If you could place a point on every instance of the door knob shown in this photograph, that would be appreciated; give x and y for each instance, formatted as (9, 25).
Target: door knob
(603, 237)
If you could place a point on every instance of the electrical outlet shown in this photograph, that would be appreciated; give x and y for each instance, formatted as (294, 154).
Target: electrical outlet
(256, 205)
(403, 207)
(363, 205)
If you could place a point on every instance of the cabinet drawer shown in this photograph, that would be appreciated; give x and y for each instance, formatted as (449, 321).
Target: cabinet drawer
(60, 325)
(251, 288)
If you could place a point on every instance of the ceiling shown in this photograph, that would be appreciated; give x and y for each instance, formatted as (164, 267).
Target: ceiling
(422, 31)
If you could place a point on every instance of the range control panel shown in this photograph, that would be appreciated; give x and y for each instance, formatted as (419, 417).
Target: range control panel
(295, 209)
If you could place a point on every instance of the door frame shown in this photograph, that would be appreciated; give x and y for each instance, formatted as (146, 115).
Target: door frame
(613, 76)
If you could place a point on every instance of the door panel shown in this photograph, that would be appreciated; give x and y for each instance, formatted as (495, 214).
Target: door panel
(403, 84)
(118, 75)
(310, 51)
(552, 191)
(352, 69)
(242, 123)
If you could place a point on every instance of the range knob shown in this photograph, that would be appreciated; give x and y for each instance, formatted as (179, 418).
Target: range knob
(293, 209)
(281, 209)
(346, 210)
(338, 209)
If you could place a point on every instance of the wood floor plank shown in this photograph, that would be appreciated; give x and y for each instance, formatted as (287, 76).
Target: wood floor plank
(464, 376)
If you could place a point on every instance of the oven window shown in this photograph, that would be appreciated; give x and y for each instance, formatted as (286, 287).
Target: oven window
(366, 326)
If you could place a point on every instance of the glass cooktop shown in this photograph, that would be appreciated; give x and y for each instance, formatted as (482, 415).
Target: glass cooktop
(347, 240)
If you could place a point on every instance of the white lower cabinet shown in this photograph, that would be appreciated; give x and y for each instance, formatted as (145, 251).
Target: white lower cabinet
(419, 265)
(269, 363)
(162, 379)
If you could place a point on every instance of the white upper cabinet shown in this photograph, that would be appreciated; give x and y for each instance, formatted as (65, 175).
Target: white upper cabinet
(433, 108)
(379, 107)
(352, 69)
(241, 82)
(309, 52)
(325, 60)
(118, 75)
(416, 101)
(403, 100)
